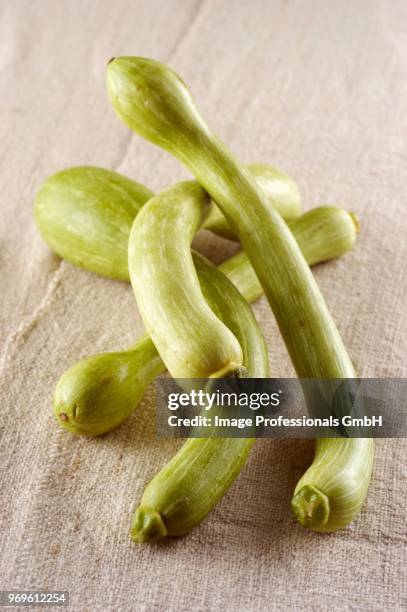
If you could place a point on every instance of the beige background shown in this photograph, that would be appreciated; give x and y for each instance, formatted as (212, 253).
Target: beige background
(318, 88)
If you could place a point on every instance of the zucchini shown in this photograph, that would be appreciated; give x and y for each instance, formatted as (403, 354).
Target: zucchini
(153, 100)
(85, 214)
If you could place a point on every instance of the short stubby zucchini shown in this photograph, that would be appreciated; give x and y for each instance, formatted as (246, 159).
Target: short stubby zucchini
(192, 341)
(154, 101)
(98, 393)
(85, 215)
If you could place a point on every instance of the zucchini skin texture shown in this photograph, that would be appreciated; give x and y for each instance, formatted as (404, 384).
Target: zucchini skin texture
(85, 214)
(192, 341)
(153, 100)
(98, 393)
(280, 190)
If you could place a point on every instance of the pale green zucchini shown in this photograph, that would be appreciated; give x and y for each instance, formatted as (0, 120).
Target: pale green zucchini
(193, 341)
(190, 338)
(85, 213)
(331, 492)
(152, 99)
(322, 233)
(182, 494)
(280, 190)
(98, 393)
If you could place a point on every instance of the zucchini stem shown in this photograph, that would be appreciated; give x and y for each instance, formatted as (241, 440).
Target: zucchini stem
(310, 507)
(147, 526)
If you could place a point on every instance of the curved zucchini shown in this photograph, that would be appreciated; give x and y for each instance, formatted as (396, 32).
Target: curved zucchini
(98, 393)
(194, 342)
(154, 101)
(167, 290)
(182, 494)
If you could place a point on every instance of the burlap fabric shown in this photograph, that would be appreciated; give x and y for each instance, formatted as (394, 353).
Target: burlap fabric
(317, 88)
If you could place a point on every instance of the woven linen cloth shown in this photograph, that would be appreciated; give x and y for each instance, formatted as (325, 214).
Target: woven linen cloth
(317, 88)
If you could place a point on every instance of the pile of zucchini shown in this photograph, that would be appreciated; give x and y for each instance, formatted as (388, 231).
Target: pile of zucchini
(198, 320)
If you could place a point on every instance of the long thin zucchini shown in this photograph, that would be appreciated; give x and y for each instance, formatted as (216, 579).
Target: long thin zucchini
(281, 192)
(154, 101)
